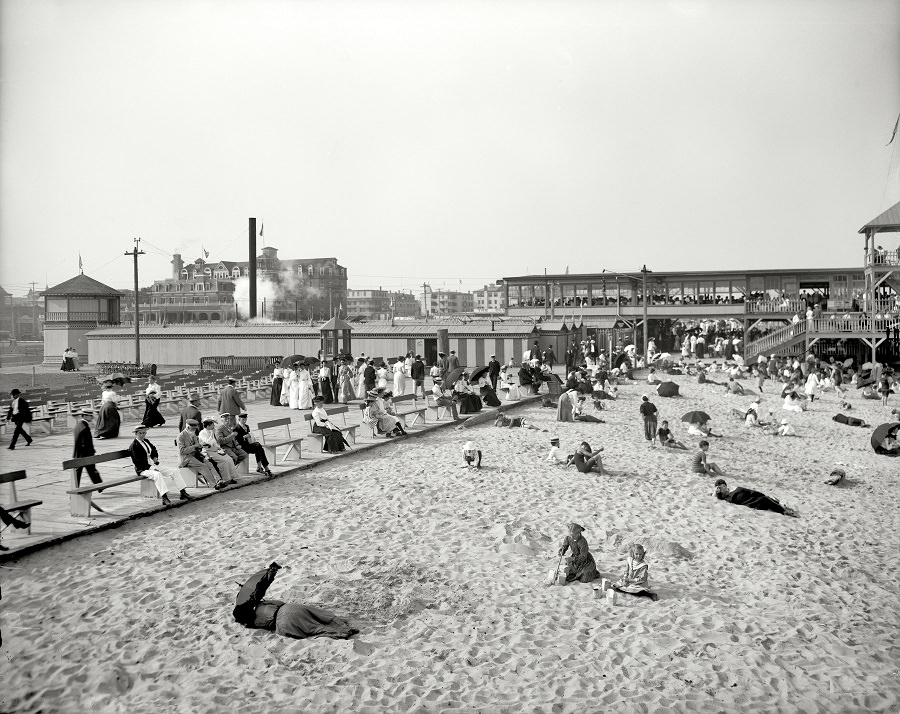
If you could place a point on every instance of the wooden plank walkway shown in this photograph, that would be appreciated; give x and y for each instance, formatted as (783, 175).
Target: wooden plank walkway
(47, 482)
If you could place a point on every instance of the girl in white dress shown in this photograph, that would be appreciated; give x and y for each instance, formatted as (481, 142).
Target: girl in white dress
(360, 380)
(382, 375)
(399, 377)
(293, 388)
(305, 394)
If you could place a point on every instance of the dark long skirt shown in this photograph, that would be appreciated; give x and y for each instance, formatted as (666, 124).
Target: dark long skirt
(108, 421)
(275, 398)
(325, 390)
(152, 417)
(302, 621)
(469, 404)
(489, 397)
(68, 364)
(334, 440)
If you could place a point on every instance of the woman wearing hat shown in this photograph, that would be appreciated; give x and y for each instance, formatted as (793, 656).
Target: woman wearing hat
(152, 417)
(334, 441)
(304, 388)
(580, 564)
(277, 382)
(215, 453)
(376, 416)
(108, 419)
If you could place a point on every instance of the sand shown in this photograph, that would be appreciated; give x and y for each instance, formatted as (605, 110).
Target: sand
(442, 570)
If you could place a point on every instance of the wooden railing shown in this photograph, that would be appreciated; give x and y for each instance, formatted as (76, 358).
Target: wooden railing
(101, 317)
(776, 305)
(775, 338)
(883, 257)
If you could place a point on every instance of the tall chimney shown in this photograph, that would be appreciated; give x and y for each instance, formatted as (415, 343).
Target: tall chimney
(252, 311)
(177, 265)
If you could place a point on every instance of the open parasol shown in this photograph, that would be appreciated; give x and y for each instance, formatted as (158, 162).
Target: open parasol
(453, 375)
(289, 361)
(696, 417)
(667, 389)
(310, 361)
(882, 431)
(847, 362)
(477, 373)
(866, 365)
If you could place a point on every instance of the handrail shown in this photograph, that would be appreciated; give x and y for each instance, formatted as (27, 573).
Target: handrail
(776, 337)
(776, 305)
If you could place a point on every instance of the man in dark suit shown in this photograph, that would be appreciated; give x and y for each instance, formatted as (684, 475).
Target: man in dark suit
(526, 377)
(190, 412)
(369, 376)
(19, 413)
(84, 446)
(452, 361)
(145, 458)
(192, 455)
(494, 371)
(444, 366)
(417, 372)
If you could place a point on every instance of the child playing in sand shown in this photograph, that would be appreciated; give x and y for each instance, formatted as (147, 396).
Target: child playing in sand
(636, 579)
(471, 456)
(556, 456)
(580, 565)
(664, 434)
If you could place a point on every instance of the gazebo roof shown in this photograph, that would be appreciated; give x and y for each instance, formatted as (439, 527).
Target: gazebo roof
(887, 221)
(335, 324)
(81, 285)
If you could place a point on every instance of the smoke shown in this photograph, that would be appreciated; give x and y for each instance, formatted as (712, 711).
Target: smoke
(288, 286)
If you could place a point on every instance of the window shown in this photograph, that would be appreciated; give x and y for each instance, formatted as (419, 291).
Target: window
(309, 270)
(235, 272)
(207, 271)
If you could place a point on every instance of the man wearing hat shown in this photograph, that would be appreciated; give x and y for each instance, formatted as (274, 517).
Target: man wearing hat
(227, 438)
(145, 458)
(192, 454)
(417, 372)
(190, 411)
(444, 398)
(494, 371)
(213, 451)
(19, 413)
(452, 361)
(555, 455)
(84, 446)
(369, 375)
(230, 400)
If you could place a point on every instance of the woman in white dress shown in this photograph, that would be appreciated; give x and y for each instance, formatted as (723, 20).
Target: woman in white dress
(293, 388)
(399, 376)
(305, 395)
(360, 379)
(382, 375)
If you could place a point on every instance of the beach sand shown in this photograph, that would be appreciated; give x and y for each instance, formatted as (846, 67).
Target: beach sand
(442, 570)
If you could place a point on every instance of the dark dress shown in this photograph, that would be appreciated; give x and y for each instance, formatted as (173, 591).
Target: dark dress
(754, 499)
(108, 421)
(325, 390)
(152, 417)
(68, 364)
(469, 404)
(489, 397)
(334, 440)
(275, 398)
(580, 564)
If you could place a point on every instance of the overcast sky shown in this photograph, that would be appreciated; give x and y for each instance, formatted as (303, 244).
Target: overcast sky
(444, 141)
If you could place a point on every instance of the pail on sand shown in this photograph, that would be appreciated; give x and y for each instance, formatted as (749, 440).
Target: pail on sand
(561, 578)
(611, 597)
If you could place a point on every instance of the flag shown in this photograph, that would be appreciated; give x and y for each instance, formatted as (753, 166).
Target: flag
(567, 270)
(260, 229)
(894, 133)
(80, 267)
(205, 252)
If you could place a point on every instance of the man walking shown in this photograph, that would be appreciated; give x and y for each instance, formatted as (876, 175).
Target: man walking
(443, 363)
(84, 446)
(230, 400)
(452, 361)
(19, 413)
(494, 371)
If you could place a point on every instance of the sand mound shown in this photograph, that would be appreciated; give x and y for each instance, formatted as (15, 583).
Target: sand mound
(516, 538)
(657, 545)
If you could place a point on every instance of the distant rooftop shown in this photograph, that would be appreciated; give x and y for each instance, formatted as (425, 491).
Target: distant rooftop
(81, 285)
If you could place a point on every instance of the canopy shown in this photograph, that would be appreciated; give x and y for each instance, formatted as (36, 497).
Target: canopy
(882, 431)
(696, 417)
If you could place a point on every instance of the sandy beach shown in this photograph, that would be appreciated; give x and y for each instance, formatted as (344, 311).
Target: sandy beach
(442, 570)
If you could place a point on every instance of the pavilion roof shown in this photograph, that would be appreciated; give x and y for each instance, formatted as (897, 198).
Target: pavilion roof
(887, 221)
(81, 285)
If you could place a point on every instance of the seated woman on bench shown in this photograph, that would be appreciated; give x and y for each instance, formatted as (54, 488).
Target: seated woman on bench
(215, 453)
(376, 415)
(333, 438)
(145, 458)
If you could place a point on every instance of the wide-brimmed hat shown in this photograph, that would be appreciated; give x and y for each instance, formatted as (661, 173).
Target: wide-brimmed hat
(207, 422)
(784, 421)
(192, 422)
(469, 446)
(576, 526)
(318, 399)
(139, 427)
(373, 393)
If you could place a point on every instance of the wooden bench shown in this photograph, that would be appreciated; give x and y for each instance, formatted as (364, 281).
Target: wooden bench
(416, 411)
(349, 430)
(271, 447)
(80, 497)
(21, 509)
(439, 411)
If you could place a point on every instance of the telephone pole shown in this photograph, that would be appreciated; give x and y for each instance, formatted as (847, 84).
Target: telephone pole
(33, 311)
(137, 330)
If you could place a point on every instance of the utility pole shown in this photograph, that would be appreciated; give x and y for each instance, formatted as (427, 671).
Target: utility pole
(644, 272)
(33, 311)
(137, 310)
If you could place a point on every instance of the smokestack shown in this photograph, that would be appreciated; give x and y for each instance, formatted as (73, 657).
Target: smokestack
(252, 312)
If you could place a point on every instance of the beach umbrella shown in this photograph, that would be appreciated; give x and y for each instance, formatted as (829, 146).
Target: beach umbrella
(696, 417)
(453, 375)
(667, 389)
(477, 373)
(288, 361)
(848, 362)
(882, 431)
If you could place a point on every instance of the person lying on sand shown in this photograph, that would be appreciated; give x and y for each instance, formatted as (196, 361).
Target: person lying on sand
(580, 564)
(513, 422)
(636, 579)
(288, 619)
(752, 499)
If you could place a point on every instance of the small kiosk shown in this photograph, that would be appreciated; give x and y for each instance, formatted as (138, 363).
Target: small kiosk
(336, 339)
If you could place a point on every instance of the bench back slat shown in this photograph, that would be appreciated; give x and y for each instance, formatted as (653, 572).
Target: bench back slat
(96, 459)
(404, 398)
(12, 476)
(272, 424)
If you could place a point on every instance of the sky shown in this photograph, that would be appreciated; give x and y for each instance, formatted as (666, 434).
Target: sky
(449, 142)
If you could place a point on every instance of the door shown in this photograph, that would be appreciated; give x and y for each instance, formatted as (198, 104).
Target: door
(429, 351)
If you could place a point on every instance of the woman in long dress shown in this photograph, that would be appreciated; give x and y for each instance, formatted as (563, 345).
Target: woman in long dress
(294, 388)
(68, 364)
(277, 383)
(108, 420)
(564, 408)
(488, 395)
(152, 417)
(334, 439)
(382, 375)
(399, 376)
(377, 416)
(468, 402)
(325, 383)
(580, 564)
(305, 392)
(345, 375)
(360, 378)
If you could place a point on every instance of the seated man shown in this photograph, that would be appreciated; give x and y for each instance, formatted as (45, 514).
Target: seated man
(212, 451)
(444, 397)
(191, 453)
(226, 435)
(249, 444)
(145, 458)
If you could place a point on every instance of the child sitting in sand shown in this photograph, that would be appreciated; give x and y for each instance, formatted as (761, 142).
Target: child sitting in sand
(664, 434)
(471, 456)
(786, 429)
(580, 565)
(555, 455)
(636, 579)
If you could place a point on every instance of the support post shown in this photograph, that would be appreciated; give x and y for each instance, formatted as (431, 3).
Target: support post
(252, 312)
(644, 272)
(137, 310)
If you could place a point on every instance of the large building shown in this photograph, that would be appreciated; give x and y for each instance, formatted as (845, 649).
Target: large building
(380, 304)
(445, 303)
(490, 299)
(207, 292)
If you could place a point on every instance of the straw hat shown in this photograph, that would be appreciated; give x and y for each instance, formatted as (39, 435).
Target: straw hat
(469, 446)
(784, 421)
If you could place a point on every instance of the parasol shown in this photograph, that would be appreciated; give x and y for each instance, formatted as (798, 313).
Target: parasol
(453, 375)
(289, 361)
(477, 373)
(882, 431)
(112, 377)
(696, 417)
(310, 361)
(667, 389)
(848, 362)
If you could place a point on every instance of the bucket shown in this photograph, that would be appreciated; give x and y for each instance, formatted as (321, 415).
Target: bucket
(561, 579)
(611, 597)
